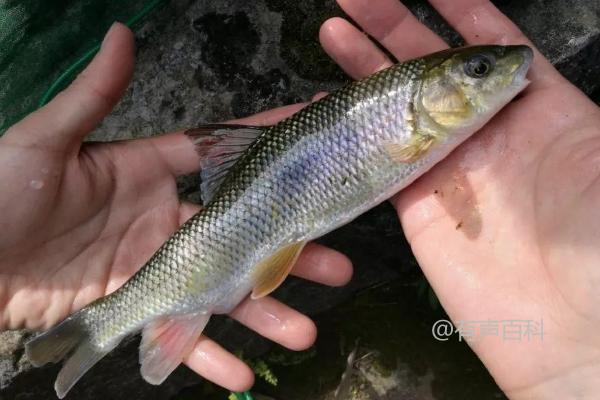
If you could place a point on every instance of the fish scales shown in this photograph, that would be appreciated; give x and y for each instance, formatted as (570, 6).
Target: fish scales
(323, 163)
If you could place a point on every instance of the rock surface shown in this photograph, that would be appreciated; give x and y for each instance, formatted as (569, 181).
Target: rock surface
(212, 60)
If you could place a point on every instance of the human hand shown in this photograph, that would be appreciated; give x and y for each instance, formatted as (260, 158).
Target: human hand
(507, 227)
(79, 219)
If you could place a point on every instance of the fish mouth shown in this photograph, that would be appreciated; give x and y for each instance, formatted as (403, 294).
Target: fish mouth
(525, 54)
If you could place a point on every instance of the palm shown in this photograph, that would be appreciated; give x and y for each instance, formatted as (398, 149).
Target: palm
(506, 227)
(82, 224)
(510, 212)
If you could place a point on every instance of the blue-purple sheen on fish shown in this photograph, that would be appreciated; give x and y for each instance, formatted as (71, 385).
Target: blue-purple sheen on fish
(269, 190)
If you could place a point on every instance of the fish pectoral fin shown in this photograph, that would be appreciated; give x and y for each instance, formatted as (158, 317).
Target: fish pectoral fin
(272, 271)
(219, 148)
(166, 342)
(417, 147)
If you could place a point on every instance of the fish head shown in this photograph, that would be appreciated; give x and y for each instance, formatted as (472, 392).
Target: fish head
(463, 88)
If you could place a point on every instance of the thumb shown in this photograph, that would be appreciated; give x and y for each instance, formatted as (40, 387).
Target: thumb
(63, 122)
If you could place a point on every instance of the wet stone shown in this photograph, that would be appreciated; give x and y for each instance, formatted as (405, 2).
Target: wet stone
(229, 63)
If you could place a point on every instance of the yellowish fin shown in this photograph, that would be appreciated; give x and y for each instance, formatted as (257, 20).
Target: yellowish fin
(272, 271)
(418, 146)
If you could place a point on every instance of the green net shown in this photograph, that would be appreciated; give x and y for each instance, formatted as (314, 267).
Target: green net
(44, 44)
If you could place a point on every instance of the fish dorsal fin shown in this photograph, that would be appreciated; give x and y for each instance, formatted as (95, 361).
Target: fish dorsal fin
(272, 271)
(166, 342)
(219, 147)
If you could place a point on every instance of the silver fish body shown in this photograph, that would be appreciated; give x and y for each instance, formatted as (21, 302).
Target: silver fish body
(296, 181)
(305, 176)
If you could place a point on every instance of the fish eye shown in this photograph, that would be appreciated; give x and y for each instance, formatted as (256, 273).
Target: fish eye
(479, 66)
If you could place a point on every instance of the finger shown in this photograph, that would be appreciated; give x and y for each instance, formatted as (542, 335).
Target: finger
(216, 364)
(270, 117)
(394, 26)
(318, 96)
(480, 22)
(351, 49)
(321, 264)
(74, 112)
(276, 321)
(177, 151)
(187, 211)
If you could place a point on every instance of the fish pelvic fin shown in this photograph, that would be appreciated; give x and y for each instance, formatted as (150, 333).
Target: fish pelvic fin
(219, 147)
(166, 342)
(272, 271)
(71, 338)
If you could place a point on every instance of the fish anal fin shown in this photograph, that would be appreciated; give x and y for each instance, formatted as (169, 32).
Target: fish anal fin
(272, 271)
(219, 147)
(166, 342)
(410, 152)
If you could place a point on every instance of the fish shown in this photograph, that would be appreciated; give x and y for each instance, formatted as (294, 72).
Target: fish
(269, 190)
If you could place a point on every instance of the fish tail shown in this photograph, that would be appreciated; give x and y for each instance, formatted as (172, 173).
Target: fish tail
(70, 339)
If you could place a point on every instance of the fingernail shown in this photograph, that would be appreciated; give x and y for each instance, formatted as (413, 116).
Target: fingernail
(108, 34)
